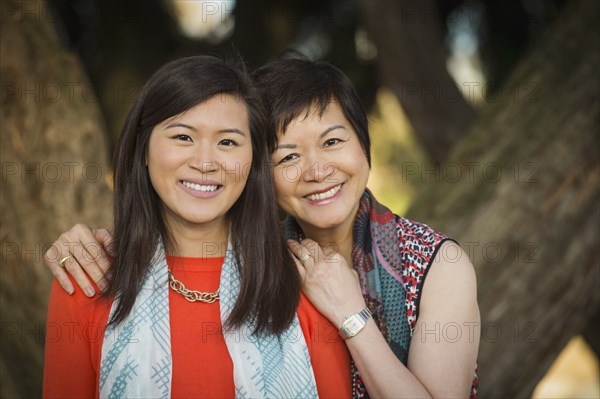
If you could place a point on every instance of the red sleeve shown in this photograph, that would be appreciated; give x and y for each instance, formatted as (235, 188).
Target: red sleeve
(328, 352)
(74, 330)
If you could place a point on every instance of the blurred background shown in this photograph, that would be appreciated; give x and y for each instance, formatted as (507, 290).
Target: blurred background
(484, 118)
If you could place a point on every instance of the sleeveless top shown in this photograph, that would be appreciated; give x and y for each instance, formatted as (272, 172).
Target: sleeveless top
(392, 256)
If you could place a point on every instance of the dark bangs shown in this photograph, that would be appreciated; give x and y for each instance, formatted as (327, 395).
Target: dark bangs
(294, 87)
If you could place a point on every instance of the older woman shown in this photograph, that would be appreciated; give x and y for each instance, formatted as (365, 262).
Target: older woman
(423, 336)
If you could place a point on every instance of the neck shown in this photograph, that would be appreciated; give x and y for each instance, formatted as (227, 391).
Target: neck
(338, 238)
(199, 240)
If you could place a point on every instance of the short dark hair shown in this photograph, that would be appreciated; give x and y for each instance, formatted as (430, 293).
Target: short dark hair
(270, 284)
(294, 84)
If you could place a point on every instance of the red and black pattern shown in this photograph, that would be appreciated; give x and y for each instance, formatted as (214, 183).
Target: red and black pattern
(418, 245)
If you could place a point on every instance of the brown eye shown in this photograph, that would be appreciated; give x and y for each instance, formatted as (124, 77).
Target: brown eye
(331, 142)
(288, 158)
(228, 143)
(182, 137)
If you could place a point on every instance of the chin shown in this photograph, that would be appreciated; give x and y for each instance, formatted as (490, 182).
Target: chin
(196, 219)
(325, 224)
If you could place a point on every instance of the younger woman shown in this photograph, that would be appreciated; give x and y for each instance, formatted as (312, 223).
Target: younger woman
(203, 299)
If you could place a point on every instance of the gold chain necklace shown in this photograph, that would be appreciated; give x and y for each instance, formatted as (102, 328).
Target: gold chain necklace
(191, 295)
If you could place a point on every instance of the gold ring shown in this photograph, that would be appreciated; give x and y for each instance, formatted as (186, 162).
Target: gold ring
(305, 258)
(63, 260)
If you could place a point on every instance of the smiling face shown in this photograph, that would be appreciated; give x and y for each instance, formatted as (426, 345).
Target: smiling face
(321, 170)
(198, 162)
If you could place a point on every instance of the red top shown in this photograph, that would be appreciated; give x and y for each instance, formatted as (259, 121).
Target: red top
(201, 363)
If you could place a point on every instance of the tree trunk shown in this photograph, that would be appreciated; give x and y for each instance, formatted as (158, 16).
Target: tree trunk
(54, 173)
(521, 195)
(412, 63)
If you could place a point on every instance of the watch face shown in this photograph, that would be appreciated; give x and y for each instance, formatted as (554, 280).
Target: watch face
(353, 325)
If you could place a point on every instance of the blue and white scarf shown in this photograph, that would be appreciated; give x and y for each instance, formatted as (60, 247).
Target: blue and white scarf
(136, 354)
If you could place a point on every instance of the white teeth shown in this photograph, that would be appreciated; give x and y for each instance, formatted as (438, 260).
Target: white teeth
(327, 194)
(199, 187)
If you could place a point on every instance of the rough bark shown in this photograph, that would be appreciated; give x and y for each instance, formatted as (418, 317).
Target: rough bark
(522, 197)
(54, 173)
(412, 63)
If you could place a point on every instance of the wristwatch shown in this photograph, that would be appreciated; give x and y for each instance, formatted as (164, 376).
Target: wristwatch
(355, 323)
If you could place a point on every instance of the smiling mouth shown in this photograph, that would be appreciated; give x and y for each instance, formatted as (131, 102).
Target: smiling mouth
(205, 188)
(324, 195)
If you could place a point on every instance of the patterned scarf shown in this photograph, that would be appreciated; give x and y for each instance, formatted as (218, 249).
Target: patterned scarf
(376, 258)
(136, 354)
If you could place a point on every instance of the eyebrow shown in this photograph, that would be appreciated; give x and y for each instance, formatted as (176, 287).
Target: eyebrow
(232, 130)
(177, 124)
(229, 130)
(328, 130)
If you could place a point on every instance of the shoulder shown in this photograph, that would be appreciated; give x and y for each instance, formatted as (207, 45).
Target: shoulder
(418, 236)
(77, 306)
(451, 279)
(418, 245)
(451, 258)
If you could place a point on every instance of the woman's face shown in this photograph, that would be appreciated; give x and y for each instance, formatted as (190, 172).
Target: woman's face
(321, 170)
(198, 161)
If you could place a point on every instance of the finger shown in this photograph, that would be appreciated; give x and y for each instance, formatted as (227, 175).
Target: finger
(94, 262)
(51, 259)
(294, 247)
(91, 256)
(71, 244)
(314, 248)
(105, 238)
(105, 261)
(101, 252)
(74, 269)
(329, 252)
(302, 254)
(301, 269)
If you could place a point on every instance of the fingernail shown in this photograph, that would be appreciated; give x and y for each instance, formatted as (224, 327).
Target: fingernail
(102, 285)
(89, 291)
(70, 290)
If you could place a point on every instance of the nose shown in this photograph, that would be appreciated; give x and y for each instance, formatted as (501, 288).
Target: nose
(317, 169)
(203, 159)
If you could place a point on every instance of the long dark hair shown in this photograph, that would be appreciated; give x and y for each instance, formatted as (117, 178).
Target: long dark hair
(270, 284)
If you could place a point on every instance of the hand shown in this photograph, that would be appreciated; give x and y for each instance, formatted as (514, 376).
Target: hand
(90, 252)
(327, 280)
